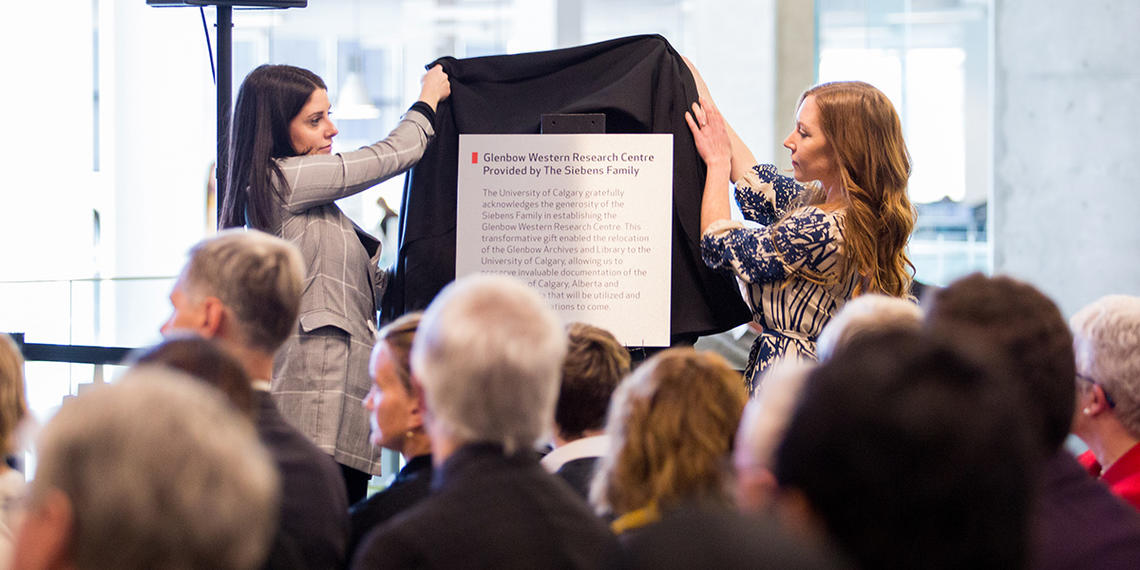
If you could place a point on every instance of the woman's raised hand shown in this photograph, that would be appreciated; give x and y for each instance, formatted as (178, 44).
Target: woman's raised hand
(710, 135)
(434, 86)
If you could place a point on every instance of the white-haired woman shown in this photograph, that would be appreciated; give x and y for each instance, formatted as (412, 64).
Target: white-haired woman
(1106, 340)
(872, 312)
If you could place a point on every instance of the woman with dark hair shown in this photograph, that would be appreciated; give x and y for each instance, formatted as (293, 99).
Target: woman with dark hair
(838, 229)
(284, 179)
(911, 452)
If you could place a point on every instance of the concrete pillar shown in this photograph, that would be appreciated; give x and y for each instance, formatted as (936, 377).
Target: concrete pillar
(733, 44)
(569, 17)
(1065, 196)
(796, 68)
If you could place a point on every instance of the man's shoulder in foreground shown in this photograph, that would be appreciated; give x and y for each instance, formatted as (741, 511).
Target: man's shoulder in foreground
(491, 510)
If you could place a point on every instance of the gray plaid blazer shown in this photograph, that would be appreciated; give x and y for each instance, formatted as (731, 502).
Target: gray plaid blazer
(320, 375)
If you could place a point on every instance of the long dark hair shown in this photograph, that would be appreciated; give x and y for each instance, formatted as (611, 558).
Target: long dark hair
(268, 100)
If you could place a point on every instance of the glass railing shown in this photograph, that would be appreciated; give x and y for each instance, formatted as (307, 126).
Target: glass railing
(60, 316)
(941, 260)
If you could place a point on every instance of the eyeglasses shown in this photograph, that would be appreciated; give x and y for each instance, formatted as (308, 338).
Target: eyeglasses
(1107, 396)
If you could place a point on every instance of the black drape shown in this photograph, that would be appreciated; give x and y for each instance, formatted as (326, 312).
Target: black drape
(640, 83)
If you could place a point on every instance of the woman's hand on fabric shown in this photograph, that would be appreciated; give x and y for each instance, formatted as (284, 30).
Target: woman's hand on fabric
(742, 158)
(434, 86)
(710, 134)
(713, 143)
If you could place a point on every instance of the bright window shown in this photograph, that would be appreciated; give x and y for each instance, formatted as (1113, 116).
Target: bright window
(931, 58)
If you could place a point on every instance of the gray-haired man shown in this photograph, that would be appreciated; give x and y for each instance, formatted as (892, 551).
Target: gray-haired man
(243, 290)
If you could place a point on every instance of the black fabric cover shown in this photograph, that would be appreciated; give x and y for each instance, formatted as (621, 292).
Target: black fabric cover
(640, 83)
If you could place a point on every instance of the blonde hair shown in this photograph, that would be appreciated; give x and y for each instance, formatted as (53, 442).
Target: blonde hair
(398, 336)
(671, 424)
(865, 133)
(13, 402)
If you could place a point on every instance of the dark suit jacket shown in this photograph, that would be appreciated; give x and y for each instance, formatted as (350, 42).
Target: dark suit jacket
(411, 485)
(696, 536)
(642, 86)
(313, 530)
(1079, 523)
(488, 510)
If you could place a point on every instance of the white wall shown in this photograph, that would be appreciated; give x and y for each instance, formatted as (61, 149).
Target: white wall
(160, 104)
(1066, 147)
(46, 151)
(733, 44)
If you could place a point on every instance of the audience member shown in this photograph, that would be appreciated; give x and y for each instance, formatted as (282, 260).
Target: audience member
(671, 427)
(666, 476)
(242, 289)
(595, 363)
(487, 355)
(1076, 523)
(1107, 345)
(205, 360)
(909, 455)
(153, 471)
(13, 411)
(865, 313)
(397, 424)
(761, 430)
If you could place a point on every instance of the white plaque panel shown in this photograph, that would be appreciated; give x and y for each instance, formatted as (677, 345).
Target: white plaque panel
(584, 219)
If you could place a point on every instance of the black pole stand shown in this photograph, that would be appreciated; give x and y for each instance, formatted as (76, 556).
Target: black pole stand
(224, 91)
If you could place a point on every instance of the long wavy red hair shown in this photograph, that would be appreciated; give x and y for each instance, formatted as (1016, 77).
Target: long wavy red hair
(865, 133)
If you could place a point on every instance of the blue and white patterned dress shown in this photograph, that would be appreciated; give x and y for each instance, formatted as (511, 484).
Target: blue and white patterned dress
(791, 273)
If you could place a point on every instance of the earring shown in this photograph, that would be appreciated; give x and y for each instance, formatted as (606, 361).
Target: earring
(412, 433)
(1087, 411)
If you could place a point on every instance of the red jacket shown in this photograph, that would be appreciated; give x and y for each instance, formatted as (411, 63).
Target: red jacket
(1123, 477)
